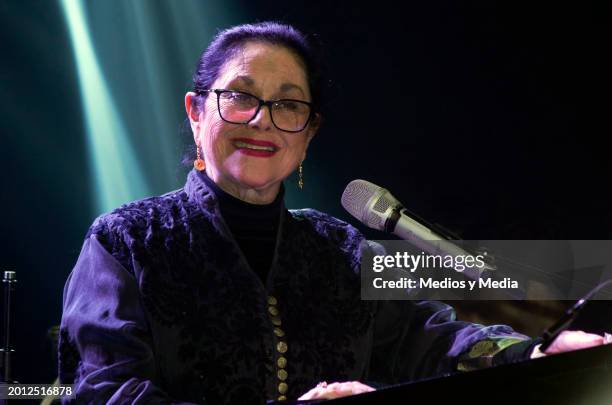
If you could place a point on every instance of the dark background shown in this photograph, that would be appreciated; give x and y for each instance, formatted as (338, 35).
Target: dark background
(491, 119)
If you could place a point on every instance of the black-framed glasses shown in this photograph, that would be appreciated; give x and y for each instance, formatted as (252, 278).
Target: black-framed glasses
(239, 107)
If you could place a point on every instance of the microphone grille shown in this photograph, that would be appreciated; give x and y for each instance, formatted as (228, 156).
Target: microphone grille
(356, 196)
(356, 200)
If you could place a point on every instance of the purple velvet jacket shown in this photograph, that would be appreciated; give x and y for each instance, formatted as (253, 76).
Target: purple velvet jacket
(162, 307)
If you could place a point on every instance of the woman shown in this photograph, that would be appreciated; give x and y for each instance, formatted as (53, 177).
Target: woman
(215, 293)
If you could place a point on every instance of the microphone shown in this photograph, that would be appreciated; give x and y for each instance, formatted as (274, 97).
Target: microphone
(377, 208)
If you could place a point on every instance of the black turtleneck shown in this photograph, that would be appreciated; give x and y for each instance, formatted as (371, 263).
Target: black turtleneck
(253, 226)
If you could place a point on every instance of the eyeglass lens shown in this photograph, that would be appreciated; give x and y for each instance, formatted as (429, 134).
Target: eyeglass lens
(240, 108)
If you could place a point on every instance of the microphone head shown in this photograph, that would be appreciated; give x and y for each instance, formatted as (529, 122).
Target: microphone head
(369, 203)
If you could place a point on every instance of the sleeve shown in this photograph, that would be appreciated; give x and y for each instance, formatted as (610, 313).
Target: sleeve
(423, 339)
(420, 339)
(105, 347)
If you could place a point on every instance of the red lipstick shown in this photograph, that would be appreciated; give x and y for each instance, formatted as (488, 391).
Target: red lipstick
(254, 147)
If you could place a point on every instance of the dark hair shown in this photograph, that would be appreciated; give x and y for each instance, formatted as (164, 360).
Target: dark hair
(228, 42)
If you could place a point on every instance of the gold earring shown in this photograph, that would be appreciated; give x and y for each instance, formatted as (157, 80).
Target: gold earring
(300, 177)
(199, 163)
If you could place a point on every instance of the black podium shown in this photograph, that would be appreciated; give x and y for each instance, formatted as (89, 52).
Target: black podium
(582, 377)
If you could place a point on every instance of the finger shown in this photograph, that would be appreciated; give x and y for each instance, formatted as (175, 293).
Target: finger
(329, 391)
(337, 390)
(363, 388)
(358, 387)
(574, 340)
(350, 388)
(581, 339)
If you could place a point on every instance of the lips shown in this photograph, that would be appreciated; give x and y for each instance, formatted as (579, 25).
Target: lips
(254, 147)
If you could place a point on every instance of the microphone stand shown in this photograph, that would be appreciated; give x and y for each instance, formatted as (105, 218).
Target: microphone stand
(570, 315)
(8, 286)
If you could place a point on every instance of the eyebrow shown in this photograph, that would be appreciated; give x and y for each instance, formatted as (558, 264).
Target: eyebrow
(285, 87)
(246, 79)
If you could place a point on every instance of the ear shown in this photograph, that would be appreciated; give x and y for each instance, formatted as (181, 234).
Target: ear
(192, 113)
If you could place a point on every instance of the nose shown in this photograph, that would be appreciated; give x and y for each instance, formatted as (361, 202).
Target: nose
(263, 119)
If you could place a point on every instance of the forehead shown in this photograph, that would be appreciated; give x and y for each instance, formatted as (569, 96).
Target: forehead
(266, 64)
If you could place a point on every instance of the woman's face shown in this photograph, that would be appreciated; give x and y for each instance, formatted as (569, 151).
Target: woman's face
(269, 72)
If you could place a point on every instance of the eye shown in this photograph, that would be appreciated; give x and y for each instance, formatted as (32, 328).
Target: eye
(288, 105)
(239, 99)
(236, 96)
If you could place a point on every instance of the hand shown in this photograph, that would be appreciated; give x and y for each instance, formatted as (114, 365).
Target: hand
(568, 341)
(336, 390)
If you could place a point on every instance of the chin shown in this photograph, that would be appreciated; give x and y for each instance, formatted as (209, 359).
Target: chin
(256, 180)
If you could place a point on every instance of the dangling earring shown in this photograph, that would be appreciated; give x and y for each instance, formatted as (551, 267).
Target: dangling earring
(199, 163)
(300, 177)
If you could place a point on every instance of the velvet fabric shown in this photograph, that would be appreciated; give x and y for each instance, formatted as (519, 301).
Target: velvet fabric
(162, 307)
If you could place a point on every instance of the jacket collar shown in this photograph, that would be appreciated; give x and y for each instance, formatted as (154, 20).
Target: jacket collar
(199, 193)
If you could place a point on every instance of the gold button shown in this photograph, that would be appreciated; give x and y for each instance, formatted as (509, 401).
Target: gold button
(281, 362)
(281, 347)
(272, 300)
(282, 398)
(276, 321)
(282, 375)
(283, 387)
(279, 332)
(273, 311)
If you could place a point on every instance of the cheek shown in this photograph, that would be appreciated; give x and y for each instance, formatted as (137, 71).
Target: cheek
(295, 151)
(212, 137)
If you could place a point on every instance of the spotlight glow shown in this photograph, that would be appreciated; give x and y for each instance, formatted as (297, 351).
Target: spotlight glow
(116, 173)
